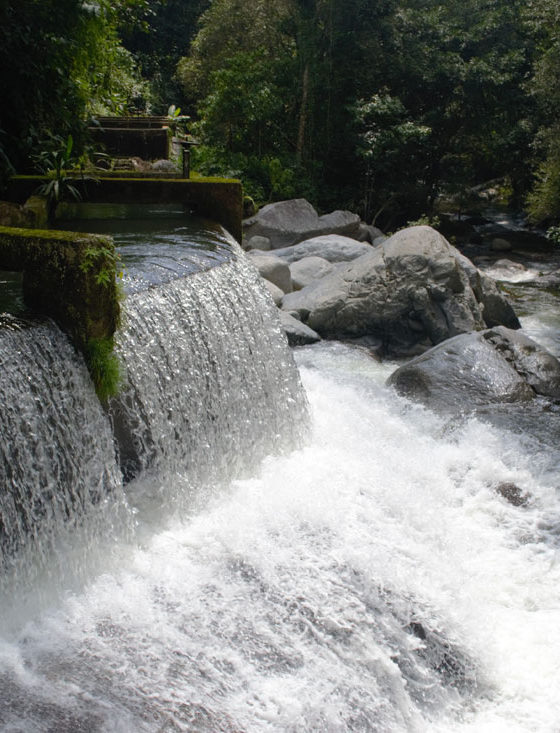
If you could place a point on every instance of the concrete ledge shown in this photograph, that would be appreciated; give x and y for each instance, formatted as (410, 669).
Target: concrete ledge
(68, 276)
(215, 198)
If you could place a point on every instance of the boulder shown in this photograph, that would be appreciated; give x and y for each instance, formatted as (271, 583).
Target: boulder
(410, 293)
(288, 222)
(473, 370)
(307, 270)
(512, 493)
(539, 368)
(274, 291)
(496, 310)
(297, 333)
(331, 247)
(14, 215)
(366, 233)
(164, 166)
(272, 269)
(257, 242)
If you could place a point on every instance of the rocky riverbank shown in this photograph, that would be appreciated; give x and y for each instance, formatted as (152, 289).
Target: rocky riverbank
(410, 295)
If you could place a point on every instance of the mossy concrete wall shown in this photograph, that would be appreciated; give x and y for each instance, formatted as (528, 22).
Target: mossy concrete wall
(67, 276)
(215, 198)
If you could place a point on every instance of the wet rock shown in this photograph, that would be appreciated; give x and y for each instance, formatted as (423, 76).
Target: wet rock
(297, 333)
(500, 245)
(478, 369)
(539, 368)
(512, 493)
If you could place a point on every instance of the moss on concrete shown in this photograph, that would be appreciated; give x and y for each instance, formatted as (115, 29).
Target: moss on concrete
(70, 277)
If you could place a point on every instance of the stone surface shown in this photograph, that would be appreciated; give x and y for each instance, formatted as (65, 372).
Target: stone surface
(410, 293)
(331, 247)
(496, 310)
(275, 292)
(297, 333)
(307, 270)
(257, 242)
(512, 493)
(14, 215)
(288, 222)
(164, 166)
(273, 269)
(539, 368)
(478, 369)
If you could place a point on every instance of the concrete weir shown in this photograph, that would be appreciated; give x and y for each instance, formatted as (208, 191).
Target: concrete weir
(219, 199)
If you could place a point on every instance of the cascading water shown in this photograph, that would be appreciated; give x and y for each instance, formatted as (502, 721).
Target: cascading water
(371, 580)
(57, 461)
(210, 386)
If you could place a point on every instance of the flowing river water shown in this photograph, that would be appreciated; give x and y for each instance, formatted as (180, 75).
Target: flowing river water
(293, 550)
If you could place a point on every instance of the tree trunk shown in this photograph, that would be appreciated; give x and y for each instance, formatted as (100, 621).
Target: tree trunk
(303, 113)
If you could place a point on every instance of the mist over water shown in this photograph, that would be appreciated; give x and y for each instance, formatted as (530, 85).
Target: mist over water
(277, 559)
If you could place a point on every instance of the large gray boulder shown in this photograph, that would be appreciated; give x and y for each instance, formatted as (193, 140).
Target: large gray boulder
(410, 293)
(307, 270)
(474, 370)
(272, 269)
(288, 222)
(275, 292)
(331, 247)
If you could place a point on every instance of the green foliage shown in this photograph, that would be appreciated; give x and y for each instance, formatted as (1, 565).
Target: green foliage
(157, 34)
(553, 233)
(55, 160)
(425, 220)
(543, 202)
(106, 260)
(61, 60)
(265, 179)
(104, 367)
(543, 16)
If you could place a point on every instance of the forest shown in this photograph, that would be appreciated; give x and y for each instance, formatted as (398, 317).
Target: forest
(380, 106)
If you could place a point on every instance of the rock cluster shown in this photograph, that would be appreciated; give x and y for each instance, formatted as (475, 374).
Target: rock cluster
(409, 295)
(402, 295)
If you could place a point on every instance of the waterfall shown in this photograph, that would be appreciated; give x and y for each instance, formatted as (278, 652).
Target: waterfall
(253, 555)
(57, 461)
(211, 387)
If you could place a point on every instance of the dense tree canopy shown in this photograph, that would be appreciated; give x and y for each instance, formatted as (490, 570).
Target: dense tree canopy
(381, 105)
